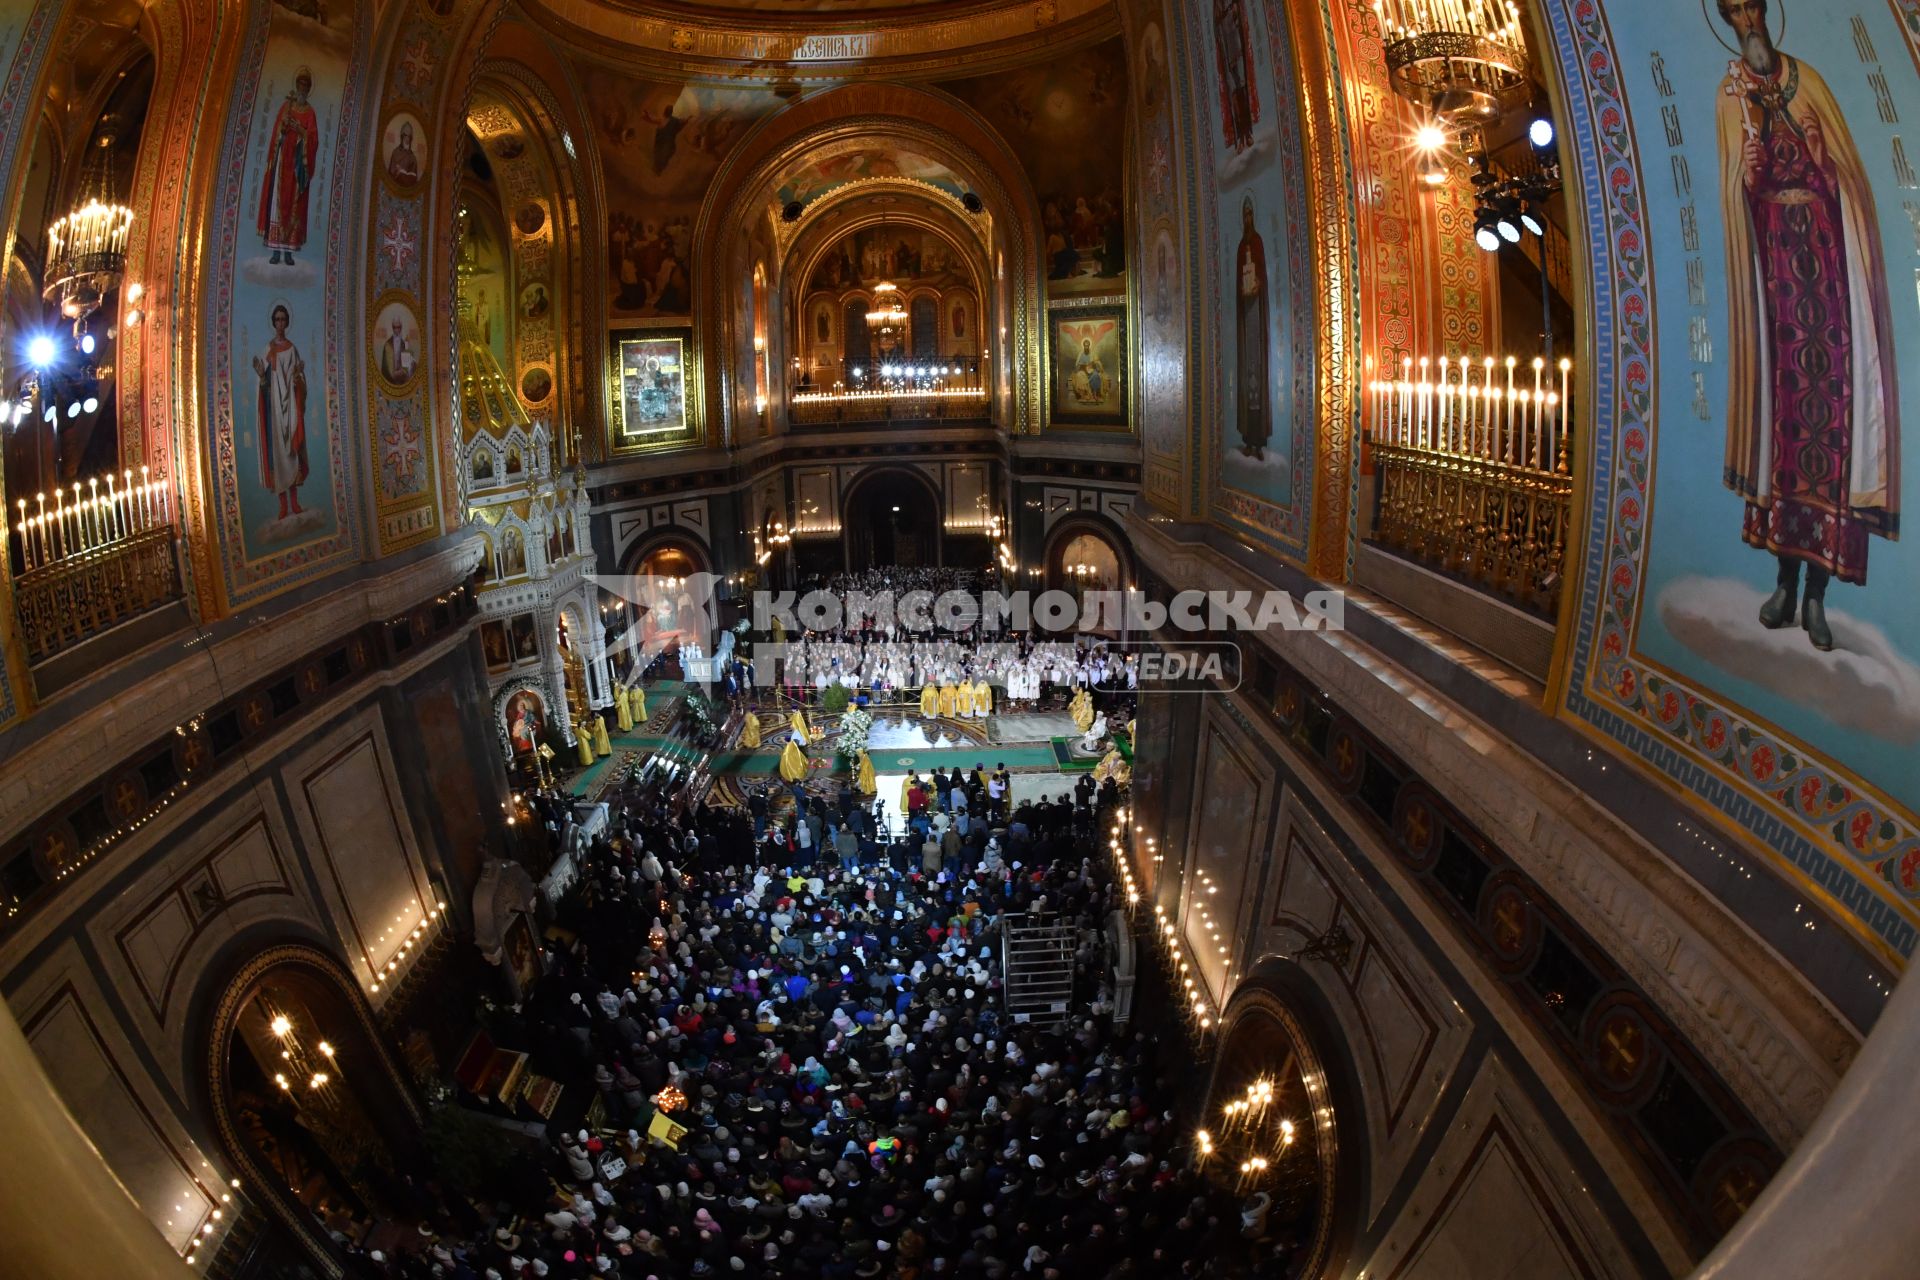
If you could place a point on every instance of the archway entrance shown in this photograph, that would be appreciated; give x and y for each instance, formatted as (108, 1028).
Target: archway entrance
(1268, 1133)
(1084, 558)
(892, 518)
(310, 1105)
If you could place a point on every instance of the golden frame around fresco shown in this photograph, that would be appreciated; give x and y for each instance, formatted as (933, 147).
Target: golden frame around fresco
(643, 418)
(1089, 386)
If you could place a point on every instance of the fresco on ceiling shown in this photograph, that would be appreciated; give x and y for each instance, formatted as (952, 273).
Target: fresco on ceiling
(819, 6)
(906, 256)
(278, 450)
(1066, 120)
(485, 282)
(660, 146)
(1259, 269)
(1748, 606)
(819, 177)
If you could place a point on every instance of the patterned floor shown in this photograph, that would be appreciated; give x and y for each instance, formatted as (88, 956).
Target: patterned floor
(1039, 748)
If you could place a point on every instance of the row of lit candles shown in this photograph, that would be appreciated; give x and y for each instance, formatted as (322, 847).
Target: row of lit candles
(411, 947)
(203, 1237)
(1197, 1009)
(90, 518)
(94, 229)
(1242, 1121)
(1497, 20)
(1509, 423)
(898, 393)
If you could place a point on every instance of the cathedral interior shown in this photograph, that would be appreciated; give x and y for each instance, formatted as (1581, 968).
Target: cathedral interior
(959, 638)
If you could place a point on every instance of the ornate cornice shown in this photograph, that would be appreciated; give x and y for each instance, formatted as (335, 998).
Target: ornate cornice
(958, 38)
(86, 752)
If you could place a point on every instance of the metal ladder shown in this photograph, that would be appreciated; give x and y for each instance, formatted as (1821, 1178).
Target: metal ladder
(1037, 969)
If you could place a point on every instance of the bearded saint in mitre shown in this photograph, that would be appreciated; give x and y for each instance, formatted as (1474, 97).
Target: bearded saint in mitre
(1812, 409)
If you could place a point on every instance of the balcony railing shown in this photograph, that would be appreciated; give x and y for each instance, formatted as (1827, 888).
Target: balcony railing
(98, 557)
(1472, 474)
(856, 407)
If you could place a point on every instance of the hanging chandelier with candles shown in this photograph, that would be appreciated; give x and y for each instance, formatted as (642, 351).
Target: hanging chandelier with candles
(1464, 60)
(87, 247)
(888, 313)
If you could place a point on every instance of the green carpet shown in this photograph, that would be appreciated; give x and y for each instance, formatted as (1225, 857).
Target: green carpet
(1055, 755)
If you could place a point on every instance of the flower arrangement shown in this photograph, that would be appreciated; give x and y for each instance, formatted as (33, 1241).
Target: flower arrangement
(855, 725)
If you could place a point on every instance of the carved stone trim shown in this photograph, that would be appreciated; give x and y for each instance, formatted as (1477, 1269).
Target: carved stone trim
(1776, 1046)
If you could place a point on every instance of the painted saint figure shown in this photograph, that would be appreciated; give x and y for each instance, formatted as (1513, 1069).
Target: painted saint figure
(403, 165)
(1239, 92)
(1812, 410)
(1252, 409)
(292, 148)
(1088, 375)
(282, 415)
(396, 355)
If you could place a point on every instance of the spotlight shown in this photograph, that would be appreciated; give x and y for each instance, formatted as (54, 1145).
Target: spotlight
(1483, 232)
(1530, 219)
(1540, 133)
(86, 344)
(1508, 229)
(1430, 137)
(73, 410)
(90, 404)
(41, 351)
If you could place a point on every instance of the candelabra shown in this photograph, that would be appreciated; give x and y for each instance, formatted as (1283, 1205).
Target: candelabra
(1472, 475)
(93, 558)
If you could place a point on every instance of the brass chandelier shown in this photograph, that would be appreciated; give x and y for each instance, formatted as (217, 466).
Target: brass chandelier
(887, 314)
(87, 247)
(1464, 60)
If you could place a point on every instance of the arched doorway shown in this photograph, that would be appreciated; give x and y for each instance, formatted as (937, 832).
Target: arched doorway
(892, 517)
(1085, 557)
(656, 610)
(309, 1103)
(1269, 1132)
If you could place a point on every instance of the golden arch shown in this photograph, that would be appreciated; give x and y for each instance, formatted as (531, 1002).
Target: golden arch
(926, 122)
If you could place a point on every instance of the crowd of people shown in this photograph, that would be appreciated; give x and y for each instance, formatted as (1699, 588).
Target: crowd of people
(1023, 670)
(848, 1098)
(901, 579)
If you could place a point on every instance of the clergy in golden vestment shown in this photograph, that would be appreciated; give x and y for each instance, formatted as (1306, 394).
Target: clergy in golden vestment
(1081, 709)
(601, 744)
(793, 762)
(982, 699)
(865, 780)
(638, 698)
(944, 700)
(798, 723)
(622, 709)
(750, 732)
(929, 701)
(583, 739)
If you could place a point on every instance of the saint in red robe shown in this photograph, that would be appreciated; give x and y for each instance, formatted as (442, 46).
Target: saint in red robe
(1253, 411)
(1813, 409)
(291, 150)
